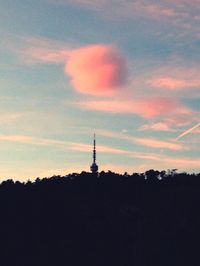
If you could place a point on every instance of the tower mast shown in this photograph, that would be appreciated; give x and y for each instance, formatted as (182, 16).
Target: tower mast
(94, 166)
(94, 150)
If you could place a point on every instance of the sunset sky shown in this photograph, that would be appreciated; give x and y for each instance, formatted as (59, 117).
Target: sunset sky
(128, 70)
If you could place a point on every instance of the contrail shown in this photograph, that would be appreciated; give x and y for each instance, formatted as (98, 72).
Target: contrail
(187, 131)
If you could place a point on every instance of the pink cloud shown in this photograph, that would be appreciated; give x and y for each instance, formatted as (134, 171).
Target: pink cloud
(147, 108)
(183, 117)
(173, 83)
(96, 69)
(156, 106)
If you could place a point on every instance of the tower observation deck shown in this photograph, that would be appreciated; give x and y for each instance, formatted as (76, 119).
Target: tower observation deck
(94, 166)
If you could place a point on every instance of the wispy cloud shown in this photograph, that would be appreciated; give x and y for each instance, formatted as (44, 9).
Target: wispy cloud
(146, 107)
(188, 131)
(159, 160)
(7, 118)
(159, 126)
(81, 147)
(182, 15)
(126, 8)
(172, 122)
(154, 143)
(34, 50)
(31, 140)
(148, 142)
(174, 83)
(155, 10)
(184, 117)
(176, 78)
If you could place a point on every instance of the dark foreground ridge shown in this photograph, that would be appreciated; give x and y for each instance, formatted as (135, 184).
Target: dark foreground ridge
(150, 219)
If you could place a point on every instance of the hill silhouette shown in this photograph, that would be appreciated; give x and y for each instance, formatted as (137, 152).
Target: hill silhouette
(147, 219)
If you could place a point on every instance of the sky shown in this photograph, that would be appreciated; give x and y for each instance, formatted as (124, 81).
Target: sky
(127, 70)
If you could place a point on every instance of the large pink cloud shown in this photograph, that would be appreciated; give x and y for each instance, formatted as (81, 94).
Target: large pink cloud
(96, 69)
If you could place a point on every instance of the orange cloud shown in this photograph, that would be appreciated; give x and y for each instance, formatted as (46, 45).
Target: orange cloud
(147, 108)
(96, 69)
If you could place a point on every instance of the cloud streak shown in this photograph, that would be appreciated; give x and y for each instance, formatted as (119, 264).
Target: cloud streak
(8, 118)
(188, 131)
(159, 126)
(159, 160)
(154, 143)
(81, 147)
(182, 15)
(146, 107)
(37, 50)
(147, 142)
(125, 8)
(173, 83)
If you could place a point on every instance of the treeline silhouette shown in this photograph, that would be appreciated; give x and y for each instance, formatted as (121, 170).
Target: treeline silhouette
(147, 219)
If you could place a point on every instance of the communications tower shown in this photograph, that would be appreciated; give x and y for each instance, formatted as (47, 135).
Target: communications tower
(94, 166)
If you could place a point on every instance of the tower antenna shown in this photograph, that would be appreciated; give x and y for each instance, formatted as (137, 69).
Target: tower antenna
(94, 166)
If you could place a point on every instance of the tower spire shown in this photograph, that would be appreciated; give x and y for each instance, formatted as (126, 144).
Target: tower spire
(94, 166)
(94, 150)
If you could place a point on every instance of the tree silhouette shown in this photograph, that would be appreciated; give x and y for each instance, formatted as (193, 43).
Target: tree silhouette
(140, 219)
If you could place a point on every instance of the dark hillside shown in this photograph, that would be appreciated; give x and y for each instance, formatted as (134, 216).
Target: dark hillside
(150, 219)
